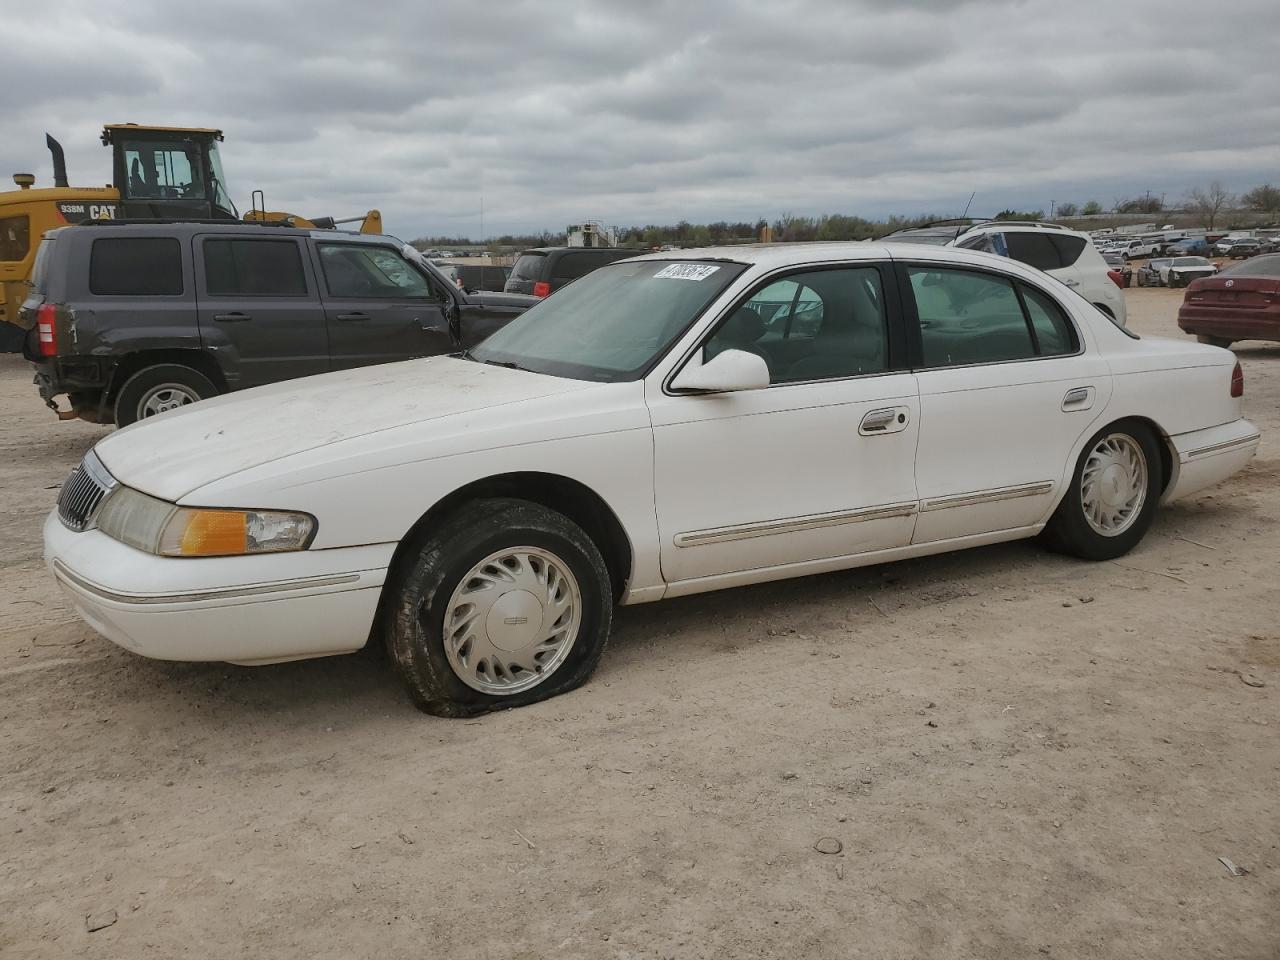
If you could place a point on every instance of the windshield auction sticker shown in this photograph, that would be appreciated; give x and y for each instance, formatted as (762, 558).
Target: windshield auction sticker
(686, 271)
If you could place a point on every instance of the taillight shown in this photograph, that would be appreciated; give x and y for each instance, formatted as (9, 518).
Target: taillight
(1117, 277)
(46, 330)
(542, 289)
(1237, 381)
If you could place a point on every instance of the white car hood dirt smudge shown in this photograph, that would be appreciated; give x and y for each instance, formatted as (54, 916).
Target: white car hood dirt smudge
(174, 453)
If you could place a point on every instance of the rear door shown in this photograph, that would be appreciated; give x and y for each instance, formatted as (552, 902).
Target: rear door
(259, 309)
(378, 307)
(1007, 388)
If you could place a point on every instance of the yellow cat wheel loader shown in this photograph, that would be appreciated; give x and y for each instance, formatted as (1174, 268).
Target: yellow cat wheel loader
(157, 173)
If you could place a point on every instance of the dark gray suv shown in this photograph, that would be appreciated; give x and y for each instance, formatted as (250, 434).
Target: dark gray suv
(131, 320)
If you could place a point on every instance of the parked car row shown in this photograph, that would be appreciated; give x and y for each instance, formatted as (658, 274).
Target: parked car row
(1174, 271)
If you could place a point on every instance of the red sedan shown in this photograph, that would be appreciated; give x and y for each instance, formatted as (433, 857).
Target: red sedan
(1240, 303)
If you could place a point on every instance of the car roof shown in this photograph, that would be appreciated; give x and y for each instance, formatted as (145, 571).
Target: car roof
(191, 227)
(771, 256)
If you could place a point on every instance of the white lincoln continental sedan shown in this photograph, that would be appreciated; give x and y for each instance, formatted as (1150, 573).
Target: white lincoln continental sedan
(663, 426)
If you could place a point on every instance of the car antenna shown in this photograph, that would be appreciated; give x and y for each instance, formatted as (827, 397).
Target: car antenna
(965, 215)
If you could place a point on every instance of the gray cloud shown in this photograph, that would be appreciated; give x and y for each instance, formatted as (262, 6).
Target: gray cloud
(554, 110)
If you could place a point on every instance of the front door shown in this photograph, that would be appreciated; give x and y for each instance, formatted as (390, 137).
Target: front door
(378, 307)
(1006, 391)
(259, 310)
(819, 465)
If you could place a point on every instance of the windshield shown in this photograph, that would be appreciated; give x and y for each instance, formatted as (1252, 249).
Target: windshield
(613, 324)
(220, 196)
(1191, 262)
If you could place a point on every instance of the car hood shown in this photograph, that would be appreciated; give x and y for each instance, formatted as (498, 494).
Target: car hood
(172, 454)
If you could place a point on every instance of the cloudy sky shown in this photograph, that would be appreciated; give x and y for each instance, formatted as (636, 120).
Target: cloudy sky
(649, 111)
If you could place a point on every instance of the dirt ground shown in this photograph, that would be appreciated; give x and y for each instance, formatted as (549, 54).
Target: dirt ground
(1019, 755)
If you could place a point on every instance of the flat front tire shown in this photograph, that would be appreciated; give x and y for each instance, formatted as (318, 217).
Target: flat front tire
(1113, 494)
(159, 388)
(505, 603)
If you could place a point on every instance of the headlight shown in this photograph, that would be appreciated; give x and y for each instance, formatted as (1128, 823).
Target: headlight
(163, 528)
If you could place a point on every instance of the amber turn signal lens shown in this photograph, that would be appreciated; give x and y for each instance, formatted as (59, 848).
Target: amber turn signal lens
(214, 533)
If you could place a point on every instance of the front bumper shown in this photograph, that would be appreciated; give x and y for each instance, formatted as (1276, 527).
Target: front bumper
(247, 610)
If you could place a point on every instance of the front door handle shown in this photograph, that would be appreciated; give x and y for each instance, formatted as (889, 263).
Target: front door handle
(231, 317)
(883, 420)
(352, 316)
(1077, 398)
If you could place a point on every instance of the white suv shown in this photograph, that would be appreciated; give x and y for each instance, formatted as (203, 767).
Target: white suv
(1062, 253)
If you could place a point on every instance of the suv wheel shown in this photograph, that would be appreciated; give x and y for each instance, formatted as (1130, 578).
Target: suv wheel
(158, 389)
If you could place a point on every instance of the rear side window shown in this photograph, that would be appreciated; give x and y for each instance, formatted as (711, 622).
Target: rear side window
(968, 318)
(1054, 334)
(253, 268)
(528, 267)
(135, 267)
(1035, 249)
(1069, 248)
(15, 238)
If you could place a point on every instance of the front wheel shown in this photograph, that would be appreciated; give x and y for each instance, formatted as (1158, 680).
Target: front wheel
(505, 603)
(1113, 494)
(158, 389)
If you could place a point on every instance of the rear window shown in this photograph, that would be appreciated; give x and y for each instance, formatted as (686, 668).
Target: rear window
(15, 238)
(528, 267)
(1265, 266)
(254, 268)
(135, 267)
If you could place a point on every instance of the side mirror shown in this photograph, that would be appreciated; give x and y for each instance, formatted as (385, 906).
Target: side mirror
(726, 372)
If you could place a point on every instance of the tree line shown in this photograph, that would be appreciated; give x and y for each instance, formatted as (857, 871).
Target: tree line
(1207, 203)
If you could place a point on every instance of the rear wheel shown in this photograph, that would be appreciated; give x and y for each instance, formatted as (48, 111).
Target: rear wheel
(505, 603)
(1113, 494)
(158, 389)
(1215, 341)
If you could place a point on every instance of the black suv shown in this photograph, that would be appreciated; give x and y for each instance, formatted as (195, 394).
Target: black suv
(544, 270)
(131, 320)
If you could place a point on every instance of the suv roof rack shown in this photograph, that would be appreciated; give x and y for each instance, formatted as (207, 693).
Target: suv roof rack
(1025, 223)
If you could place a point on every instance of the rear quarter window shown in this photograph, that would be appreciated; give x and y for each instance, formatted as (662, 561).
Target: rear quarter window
(1069, 248)
(135, 267)
(40, 271)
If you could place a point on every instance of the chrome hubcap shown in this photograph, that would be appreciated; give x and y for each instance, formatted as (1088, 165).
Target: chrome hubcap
(1113, 486)
(512, 620)
(167, 396)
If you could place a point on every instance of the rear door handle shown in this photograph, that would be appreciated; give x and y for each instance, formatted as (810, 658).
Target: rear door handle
(1077, 398)
(231, 317)
(352, 316)
(883, 420)
(1071, 283)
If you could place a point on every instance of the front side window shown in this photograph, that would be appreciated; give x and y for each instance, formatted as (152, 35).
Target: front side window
(163, 170)
(253, 268)
(819, 325)
(135, 267)
(15, 238)
(367, 272)
(613, 324)
(968, 317)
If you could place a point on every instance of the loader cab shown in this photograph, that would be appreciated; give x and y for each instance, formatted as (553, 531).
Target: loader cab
(166, 173)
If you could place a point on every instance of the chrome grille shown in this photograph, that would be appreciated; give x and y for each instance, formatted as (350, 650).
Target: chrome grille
(83, 492)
